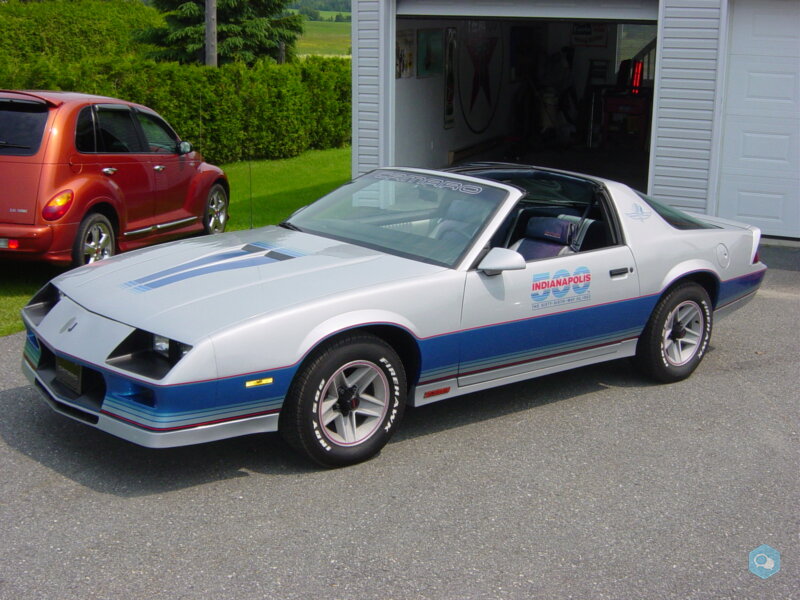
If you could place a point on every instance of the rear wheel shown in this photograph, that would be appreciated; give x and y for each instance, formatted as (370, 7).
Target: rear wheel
(676, 336)
(95, 240)
(345, 402)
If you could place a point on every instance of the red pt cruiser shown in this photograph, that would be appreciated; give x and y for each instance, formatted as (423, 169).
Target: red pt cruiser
(84, 177)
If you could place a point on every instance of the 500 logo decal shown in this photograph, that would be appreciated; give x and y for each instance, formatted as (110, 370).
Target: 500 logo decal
(562, 287)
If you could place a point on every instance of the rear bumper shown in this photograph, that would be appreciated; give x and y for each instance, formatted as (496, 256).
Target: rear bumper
(48, 242)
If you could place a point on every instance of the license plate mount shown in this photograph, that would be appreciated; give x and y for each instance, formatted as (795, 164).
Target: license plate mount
(70, 375)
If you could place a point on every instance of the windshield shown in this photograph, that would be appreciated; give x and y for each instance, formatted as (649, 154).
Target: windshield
(21, 126)
(430, 218)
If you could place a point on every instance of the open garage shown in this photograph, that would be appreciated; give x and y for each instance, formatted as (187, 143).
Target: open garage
(696, 102)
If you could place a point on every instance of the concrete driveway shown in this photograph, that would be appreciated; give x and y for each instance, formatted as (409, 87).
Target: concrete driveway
(590, 484)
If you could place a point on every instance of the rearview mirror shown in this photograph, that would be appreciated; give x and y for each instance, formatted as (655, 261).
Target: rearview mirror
(501, 259)
(184, 147)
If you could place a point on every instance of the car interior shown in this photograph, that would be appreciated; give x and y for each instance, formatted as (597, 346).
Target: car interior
(559, 214)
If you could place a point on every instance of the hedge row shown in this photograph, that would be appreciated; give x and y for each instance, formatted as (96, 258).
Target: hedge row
(230, 113)
(73, 30)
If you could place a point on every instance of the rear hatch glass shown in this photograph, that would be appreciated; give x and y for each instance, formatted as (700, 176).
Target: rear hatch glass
(21, 126)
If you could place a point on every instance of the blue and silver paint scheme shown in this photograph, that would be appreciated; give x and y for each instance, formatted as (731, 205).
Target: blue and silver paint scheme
(252, 305)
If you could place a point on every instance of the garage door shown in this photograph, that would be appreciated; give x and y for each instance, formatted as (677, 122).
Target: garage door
(760, 164)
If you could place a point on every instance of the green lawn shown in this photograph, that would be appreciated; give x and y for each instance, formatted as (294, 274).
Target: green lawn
(277, 189)
(323, 37)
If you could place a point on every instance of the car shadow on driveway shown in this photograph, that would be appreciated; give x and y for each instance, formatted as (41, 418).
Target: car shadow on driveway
(113, 466)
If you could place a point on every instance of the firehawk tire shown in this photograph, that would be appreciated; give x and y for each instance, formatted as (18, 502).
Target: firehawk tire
(215, 217)
(676, 336)
(95, 240)
(346, 401)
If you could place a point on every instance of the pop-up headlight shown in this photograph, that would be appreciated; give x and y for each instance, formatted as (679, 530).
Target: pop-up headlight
(148, 354)
(42, 303)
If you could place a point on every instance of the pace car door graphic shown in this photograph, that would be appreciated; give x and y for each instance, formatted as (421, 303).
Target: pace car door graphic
(555, 311)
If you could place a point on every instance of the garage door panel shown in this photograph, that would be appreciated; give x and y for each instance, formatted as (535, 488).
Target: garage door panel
(760, 85)
(759, 146)
(764, 202)
(766, 27)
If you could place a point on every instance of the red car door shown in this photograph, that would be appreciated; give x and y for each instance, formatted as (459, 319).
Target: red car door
(173, 171)
(111, 152)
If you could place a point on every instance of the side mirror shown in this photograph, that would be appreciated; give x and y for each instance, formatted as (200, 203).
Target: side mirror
(184, 147)
(501, 259)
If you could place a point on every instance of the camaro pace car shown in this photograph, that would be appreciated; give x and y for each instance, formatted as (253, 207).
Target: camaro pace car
(405, 286)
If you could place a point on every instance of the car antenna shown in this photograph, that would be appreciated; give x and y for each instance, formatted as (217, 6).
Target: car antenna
(250, 175)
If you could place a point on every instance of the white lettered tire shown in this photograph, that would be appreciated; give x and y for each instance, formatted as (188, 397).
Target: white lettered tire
(677, 335)
(346, 401)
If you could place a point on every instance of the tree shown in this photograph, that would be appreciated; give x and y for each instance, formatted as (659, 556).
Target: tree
(246, 31)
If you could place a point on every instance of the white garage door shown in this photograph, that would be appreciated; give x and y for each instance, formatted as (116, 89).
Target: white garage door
(760, 164)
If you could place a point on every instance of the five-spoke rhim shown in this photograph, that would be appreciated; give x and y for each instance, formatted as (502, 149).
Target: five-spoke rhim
(347, 401)
(403, 287)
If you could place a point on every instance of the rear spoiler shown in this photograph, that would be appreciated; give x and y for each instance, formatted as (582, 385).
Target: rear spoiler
(49, 101)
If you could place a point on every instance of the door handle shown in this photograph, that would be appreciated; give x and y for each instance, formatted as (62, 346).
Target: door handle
(109, 170)
(159, 168)
(621, 271)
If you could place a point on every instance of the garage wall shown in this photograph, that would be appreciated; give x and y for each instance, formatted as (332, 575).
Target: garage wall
(685, 102)
(373, 22)
(423, 140)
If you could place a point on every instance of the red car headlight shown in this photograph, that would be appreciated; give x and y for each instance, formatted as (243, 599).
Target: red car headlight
(58, 205)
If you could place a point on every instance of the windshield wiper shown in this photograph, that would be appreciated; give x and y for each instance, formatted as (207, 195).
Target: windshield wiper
(5, 144)
(290, 226)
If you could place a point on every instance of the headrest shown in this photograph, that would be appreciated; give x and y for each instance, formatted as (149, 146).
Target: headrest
(465, 209)
(550, 229)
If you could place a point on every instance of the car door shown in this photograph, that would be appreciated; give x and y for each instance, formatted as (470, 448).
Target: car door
(110, 149)
(173, 171)
(556, 311)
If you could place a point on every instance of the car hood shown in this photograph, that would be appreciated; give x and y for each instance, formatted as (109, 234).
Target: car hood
(189, 289)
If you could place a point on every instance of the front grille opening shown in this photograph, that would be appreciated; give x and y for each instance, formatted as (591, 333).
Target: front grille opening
(92, 388)
(66, 409)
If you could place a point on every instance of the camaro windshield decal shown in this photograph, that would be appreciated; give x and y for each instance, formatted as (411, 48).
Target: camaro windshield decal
(248, 256)
(435, 182)
(562, 287)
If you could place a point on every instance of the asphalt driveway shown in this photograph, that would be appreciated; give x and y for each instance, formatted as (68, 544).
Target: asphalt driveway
(594, 484)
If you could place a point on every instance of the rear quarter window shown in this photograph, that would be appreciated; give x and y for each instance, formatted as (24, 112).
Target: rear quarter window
(22, 125)
(677, 218)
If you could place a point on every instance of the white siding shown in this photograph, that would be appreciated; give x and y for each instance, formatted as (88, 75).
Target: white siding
(685, 103)
(373, 25)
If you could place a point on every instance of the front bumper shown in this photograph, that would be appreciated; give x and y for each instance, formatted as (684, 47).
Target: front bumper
(65, 358)
(59, 401)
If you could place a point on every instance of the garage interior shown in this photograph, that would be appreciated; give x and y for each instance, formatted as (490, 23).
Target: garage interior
(574, 95)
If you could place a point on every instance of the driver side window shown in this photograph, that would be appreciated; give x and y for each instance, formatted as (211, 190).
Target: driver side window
(160, 138)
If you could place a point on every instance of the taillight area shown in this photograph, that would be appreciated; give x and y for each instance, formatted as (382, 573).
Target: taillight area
(58, 206)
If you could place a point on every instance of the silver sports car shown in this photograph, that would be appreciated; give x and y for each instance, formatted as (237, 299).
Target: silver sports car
(405, 286)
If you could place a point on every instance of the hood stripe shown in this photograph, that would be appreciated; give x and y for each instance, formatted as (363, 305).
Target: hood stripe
(215, 263)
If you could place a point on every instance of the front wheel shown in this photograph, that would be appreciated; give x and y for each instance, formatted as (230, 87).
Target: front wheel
(676, 336)
(215, 217)
(95, 240)
(345, 402)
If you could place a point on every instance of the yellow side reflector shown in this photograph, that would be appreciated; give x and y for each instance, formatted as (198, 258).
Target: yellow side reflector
(257, 382)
